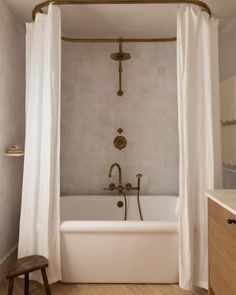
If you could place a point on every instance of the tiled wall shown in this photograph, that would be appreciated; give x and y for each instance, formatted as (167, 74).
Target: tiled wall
(92, 112)
(12, 84)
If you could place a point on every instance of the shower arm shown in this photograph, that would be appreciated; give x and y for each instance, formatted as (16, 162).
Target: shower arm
(120, 91)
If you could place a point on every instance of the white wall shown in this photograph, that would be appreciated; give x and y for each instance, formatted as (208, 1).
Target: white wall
(227, 50)
(92, 112)
(227, 46)
(12, 84)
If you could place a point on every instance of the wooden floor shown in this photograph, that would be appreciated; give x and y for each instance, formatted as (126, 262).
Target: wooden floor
(100, 289)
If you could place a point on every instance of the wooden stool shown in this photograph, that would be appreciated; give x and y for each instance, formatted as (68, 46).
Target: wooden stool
(24, 266)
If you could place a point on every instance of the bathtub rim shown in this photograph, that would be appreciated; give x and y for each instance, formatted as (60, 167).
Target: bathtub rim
(116, 226)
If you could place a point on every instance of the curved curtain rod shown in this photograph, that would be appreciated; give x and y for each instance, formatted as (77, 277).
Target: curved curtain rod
(39, 8)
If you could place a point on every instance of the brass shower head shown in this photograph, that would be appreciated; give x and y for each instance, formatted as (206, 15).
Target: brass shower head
(120, 56)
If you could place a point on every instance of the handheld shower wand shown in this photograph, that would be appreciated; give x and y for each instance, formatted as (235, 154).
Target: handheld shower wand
(139, 176)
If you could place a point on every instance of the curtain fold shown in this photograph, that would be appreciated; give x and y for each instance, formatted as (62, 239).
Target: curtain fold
(40, 211)
(199, 137)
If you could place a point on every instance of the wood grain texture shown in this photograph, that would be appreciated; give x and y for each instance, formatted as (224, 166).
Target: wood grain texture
(100, 289)
(222, 251)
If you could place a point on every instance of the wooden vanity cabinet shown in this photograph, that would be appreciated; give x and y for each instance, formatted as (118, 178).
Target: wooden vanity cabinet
(222, 250)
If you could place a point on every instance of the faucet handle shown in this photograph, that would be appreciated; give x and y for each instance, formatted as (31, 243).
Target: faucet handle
(139, 175)
(128, 186)
(110, 188)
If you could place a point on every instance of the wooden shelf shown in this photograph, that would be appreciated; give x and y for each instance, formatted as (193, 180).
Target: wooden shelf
(228, 122)
(14, 155)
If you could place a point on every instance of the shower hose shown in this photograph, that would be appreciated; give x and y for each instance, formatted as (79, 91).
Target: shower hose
(139, 205)
(138, 201)
(125, 199)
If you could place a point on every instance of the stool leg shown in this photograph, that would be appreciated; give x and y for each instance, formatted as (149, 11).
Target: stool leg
(45, 280)
(10, 287)
(26, 284)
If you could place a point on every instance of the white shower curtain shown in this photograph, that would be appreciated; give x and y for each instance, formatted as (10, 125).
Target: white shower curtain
(40, 212)
(199, 137)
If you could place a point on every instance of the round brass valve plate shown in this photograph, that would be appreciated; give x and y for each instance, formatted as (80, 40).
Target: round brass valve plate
(120, 142)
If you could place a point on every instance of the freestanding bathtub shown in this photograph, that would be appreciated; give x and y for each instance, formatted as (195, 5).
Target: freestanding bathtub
(97, 246)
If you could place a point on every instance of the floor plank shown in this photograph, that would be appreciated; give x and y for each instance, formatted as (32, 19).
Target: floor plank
(100, 289)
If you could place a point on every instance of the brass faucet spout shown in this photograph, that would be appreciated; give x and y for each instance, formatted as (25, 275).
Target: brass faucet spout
(120, 173)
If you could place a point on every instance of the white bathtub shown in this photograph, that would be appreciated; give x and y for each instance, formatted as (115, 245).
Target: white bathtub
(97, 246)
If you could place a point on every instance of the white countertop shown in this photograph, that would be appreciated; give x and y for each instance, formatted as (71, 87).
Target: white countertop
(226, 198)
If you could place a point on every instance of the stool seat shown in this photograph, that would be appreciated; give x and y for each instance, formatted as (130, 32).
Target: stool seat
(27, 264)
(24, 266)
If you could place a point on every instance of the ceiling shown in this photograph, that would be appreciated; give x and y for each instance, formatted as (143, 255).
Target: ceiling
(129, 20)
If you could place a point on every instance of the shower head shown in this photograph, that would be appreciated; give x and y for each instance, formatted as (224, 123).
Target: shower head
(120, 56)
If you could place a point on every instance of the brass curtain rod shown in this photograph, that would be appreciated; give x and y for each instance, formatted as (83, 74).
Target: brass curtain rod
(41, 6)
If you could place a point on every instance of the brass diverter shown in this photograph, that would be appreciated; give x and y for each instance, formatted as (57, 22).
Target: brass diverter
(120, 142)
(119, 186)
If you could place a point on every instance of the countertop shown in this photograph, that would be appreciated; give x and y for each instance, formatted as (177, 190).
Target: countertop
(226, 198)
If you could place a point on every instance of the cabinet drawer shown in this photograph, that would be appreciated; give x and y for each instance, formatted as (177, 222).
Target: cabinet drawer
(222, 250)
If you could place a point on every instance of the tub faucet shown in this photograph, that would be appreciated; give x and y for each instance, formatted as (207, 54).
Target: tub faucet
(120, 187)
(120, 175)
